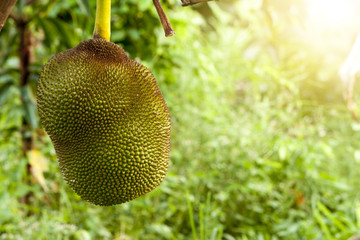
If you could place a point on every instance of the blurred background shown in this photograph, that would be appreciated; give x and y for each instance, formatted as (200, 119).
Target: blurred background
(263, 146)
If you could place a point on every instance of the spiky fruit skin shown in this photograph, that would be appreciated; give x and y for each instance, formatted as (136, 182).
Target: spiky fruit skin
(108, 121)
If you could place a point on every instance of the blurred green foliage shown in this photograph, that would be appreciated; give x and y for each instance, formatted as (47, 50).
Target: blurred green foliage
(262, 144)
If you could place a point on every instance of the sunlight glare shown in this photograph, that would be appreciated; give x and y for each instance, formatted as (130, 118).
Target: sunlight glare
(332, 13)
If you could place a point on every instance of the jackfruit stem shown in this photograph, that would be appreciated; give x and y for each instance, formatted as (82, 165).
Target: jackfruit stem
(102, 19)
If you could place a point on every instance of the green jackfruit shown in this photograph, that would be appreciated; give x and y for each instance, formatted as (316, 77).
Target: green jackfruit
(108, 121)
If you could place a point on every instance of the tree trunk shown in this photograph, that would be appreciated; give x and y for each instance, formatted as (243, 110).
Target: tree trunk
(5, 9)
(24, 56)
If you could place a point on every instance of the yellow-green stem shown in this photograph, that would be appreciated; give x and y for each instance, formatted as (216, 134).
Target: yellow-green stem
(102, 20)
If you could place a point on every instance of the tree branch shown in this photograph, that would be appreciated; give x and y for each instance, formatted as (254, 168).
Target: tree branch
(192, 2)
(163, 19)
(5, 9)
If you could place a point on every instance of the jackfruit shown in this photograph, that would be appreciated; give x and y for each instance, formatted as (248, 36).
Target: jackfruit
(108, 122)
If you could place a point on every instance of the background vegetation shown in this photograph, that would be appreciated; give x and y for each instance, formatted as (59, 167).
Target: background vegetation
(262, 144)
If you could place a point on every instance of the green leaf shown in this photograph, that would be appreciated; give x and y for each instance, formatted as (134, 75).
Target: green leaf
(21, 4)
(191, 216)
(84, 7)
(64, 31)
(118, 36)
(5, 84)
(323, 225)
(48, 30)
(29, 106)
(144, 5)
(134, 34)
(6, 42)
(324, 210)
